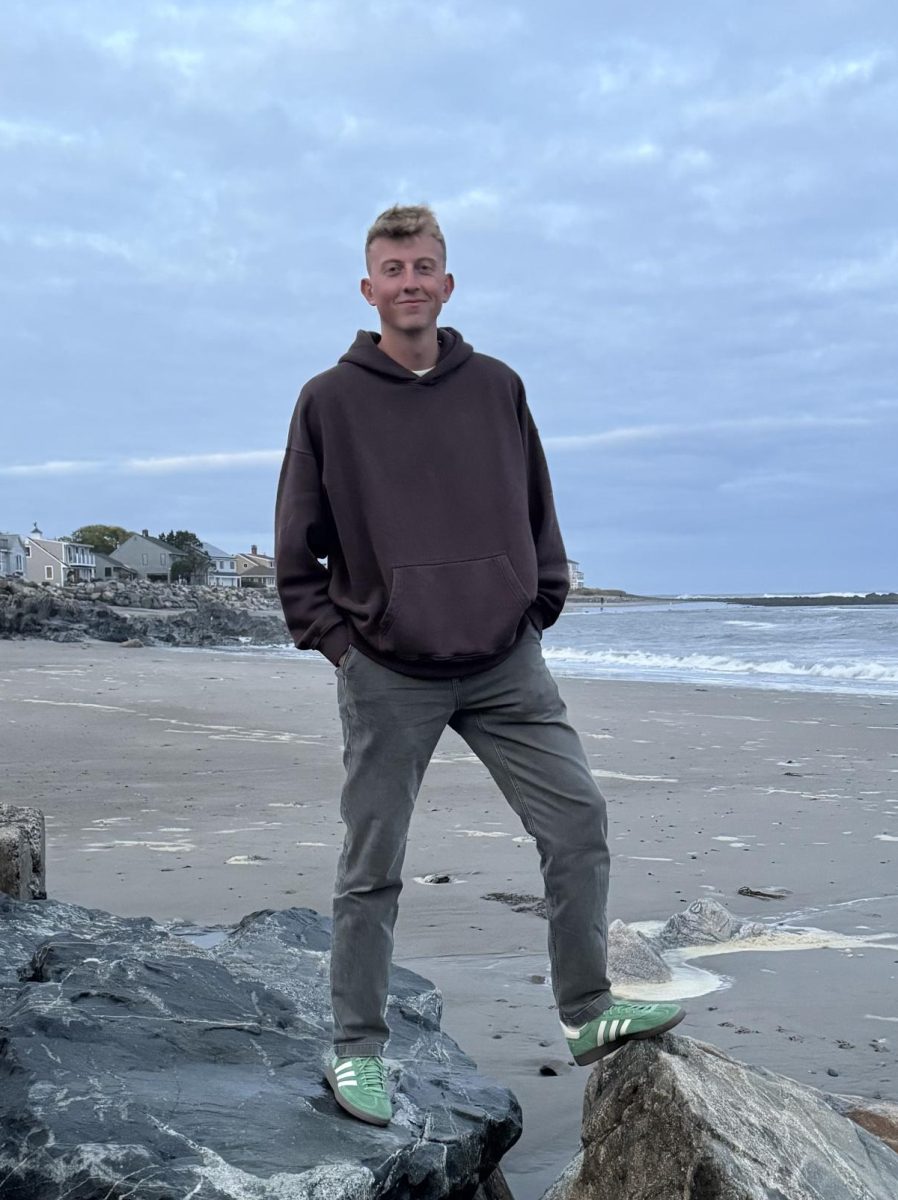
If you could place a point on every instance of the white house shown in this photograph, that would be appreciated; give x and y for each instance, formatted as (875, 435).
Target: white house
(13, 555)
(575, 573)
(223, 571)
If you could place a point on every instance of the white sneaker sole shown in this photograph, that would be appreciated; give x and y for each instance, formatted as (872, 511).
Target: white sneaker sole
(347, 1104)
(599, 1052)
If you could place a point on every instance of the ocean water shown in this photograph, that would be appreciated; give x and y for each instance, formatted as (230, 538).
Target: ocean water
(830, 649)
(814, 649)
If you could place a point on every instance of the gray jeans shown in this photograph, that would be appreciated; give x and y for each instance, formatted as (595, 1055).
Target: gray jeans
(514, 720)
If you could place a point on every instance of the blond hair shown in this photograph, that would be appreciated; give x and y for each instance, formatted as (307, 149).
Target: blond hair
(406, 221)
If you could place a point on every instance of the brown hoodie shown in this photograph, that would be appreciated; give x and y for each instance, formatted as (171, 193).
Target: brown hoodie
(430, 499)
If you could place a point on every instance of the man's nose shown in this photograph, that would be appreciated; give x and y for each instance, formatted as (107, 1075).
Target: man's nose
(409, 280)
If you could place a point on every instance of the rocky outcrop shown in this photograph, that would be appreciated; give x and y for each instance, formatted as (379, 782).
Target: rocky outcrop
(672, 1117)
(23, 844)
(111, 611)
(134, 1063)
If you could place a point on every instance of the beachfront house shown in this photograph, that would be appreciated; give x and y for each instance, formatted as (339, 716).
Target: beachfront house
(255, 569)
(148, 557)
(575, 573)
(57, 560)
(12, 555)
(223, 569)
(106, 567)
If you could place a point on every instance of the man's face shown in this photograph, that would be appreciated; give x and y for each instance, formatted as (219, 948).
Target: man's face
(407, 282)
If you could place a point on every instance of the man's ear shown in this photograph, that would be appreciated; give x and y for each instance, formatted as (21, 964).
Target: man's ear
(367, 290)
(448, 286)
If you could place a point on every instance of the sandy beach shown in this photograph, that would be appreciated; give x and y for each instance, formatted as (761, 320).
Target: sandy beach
(198, 786)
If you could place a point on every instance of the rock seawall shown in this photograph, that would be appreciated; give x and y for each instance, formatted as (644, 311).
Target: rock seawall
(156, 613)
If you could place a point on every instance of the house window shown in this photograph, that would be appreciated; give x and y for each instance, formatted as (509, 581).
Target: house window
(19, 563)
(231, 565)
(162, 558)
(48, 572)
(143, 560)
(28, 552)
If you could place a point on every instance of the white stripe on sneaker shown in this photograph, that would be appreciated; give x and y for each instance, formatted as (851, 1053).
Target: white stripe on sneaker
(625, 1026)
(612, 1032)
(600, 1032)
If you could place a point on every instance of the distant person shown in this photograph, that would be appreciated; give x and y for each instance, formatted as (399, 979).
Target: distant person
(415, 468)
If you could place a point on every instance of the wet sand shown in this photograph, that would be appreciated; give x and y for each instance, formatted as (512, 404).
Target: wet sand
(200, 786)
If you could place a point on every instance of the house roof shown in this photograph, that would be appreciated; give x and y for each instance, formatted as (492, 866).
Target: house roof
(144, 537)
(263, 560)
(42, 544)
(216, 551)
(105, 560)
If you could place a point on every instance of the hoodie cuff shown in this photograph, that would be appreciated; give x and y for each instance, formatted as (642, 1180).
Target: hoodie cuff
(335, 642)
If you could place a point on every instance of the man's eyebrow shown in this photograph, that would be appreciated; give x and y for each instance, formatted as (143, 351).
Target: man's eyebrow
(425, 258)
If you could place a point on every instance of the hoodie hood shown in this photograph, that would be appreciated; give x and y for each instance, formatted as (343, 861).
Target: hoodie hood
(365, 352)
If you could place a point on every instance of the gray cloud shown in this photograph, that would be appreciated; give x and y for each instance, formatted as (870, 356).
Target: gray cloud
(681, 234)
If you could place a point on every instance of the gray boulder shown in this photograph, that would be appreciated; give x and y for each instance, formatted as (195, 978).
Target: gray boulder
(22, 852)
(671, 1117)
(632, 958)
(703, 923)
(133, 1063)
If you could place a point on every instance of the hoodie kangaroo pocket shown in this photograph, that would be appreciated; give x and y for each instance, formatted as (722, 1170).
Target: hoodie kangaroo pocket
(453, 609)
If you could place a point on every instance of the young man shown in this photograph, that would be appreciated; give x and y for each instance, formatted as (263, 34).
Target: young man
(415, 468)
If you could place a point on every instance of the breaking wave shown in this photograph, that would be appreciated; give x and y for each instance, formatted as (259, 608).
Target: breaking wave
(640, 662)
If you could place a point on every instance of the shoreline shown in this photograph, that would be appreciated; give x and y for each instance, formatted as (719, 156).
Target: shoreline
(199, 788)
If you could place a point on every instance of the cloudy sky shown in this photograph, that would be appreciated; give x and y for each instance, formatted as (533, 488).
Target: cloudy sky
(676, 221)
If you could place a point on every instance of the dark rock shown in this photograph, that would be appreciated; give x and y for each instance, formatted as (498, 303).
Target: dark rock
(770, 893)
(555, 1066)
(672, 1117)
(495, 1188)
(520, 903)
(134, 1063)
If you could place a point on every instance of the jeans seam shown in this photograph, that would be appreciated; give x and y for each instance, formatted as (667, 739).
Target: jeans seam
(527, 821)
(525, 811)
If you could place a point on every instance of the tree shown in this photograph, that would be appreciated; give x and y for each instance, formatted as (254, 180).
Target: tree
(194, 567)
(102, 538)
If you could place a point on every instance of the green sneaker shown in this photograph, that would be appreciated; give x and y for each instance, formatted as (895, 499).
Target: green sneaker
(359, 1086)
(624, 1021)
